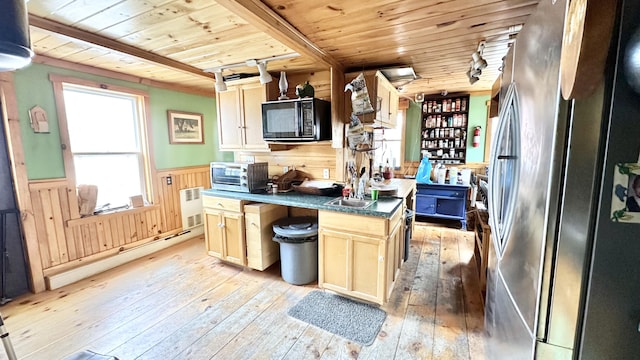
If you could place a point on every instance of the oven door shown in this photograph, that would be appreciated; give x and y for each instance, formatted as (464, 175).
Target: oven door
(224, 175)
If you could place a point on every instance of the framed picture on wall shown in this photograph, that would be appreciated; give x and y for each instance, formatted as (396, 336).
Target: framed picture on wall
(625, 202)
(185, 127)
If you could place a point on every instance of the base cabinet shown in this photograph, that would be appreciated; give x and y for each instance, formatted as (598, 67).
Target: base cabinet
(224, 229)
(360, 261)
(262, 251)
(443, 201)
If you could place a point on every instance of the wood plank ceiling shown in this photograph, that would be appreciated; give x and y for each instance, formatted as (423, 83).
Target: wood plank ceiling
(175, 40)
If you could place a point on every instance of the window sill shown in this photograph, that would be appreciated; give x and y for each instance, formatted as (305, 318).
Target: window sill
(108, 216)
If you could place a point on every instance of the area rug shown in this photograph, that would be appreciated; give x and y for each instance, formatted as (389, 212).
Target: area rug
(344, 317)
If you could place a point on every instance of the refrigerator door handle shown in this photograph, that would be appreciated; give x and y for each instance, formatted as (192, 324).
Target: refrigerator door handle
(504, 176)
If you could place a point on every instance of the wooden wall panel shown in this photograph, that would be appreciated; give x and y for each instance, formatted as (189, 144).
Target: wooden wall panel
(65, 242)
(311, 158)
(169, 195)
(320, 80)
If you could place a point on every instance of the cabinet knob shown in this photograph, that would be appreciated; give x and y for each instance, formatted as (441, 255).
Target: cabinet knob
(220, 205)
(253, 224)
(381, 259)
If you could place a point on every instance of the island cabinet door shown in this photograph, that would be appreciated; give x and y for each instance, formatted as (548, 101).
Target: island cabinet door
(333, 255)
(352, 265)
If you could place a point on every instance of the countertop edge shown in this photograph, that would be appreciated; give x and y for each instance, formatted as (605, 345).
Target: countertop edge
(388, 205)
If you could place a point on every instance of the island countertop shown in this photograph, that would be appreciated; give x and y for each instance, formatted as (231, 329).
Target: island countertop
(384, 207)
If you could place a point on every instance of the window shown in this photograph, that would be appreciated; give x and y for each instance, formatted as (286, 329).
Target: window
(391, 144)
(106, 142)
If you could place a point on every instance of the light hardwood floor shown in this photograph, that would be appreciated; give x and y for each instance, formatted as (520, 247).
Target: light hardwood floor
(182, 304)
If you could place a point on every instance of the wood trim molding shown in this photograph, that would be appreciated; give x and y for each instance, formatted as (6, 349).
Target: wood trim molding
(45, 60)
(67, 156)
(11, 117)
(181, 170)
(105, 217)
(258, 14)
(89, 83)
(111, 44)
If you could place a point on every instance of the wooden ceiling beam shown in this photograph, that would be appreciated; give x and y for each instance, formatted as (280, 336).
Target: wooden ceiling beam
(111, 44)
(256, 13)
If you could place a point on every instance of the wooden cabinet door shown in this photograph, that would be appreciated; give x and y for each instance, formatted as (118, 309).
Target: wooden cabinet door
(213, 233)
(333, 260)
(394, 104)
(394, 256)
(234, 240)
(383, 100)
(352, 265)
(262, 251)
(367, 274)
(253, 95)
(229, 119)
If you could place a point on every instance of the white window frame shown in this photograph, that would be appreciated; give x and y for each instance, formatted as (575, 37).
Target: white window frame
(380, 139)
(145, 158)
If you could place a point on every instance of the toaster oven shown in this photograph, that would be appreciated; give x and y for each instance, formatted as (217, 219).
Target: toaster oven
(242, 177)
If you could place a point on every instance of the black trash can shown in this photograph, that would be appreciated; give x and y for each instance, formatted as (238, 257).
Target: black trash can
(407, 231)
(298, 238)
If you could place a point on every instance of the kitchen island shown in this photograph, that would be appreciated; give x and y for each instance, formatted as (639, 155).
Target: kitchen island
(359, 249)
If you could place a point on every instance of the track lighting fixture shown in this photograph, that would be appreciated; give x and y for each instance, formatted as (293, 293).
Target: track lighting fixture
(265, 77)
(477, 64)
(220, 84)
(261, 64)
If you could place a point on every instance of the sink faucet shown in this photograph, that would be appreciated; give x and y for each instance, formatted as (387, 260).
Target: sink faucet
(360, 191)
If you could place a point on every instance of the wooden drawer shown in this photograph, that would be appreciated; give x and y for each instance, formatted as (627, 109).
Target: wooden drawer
(220, 203)
(443, 192)
(262, 251)
(359, 224)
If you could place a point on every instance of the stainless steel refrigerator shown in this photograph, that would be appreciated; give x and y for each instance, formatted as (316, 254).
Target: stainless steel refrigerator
(564, 270)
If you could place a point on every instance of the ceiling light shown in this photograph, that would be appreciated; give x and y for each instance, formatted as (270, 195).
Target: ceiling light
(220, 84)
(478, 62)
(473, 79)
(265, 77)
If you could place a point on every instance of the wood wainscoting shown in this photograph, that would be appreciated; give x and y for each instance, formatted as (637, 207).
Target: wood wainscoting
(67, 241)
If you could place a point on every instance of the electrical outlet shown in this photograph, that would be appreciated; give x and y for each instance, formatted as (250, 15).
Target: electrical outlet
(325, 173)
(285, 169)
(169, 180)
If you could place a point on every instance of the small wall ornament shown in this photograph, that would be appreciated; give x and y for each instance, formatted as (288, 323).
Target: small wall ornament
(625, 201)
(39, 121)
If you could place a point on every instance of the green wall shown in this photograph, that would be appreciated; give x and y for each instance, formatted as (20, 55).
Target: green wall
(413, 129)
(477, 117)
(42, 152)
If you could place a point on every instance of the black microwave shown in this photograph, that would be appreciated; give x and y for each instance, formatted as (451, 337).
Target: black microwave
(307, 119)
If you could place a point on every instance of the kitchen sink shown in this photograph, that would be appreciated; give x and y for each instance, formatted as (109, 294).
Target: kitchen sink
(353, 203)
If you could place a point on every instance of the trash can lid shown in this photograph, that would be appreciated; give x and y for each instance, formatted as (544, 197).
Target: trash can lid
(296, 227)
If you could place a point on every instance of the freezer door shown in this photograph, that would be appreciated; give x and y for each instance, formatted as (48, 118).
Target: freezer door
(521, 204)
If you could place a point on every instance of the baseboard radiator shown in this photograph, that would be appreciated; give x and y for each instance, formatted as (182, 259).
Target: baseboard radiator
(191, 207)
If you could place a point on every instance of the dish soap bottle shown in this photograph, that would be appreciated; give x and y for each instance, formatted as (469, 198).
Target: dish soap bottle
(387, 173)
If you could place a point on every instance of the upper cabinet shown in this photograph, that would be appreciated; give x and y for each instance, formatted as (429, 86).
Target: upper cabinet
(240, 114)
(384, 99)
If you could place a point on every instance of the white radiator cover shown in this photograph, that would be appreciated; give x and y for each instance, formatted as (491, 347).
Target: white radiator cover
(191, 207)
